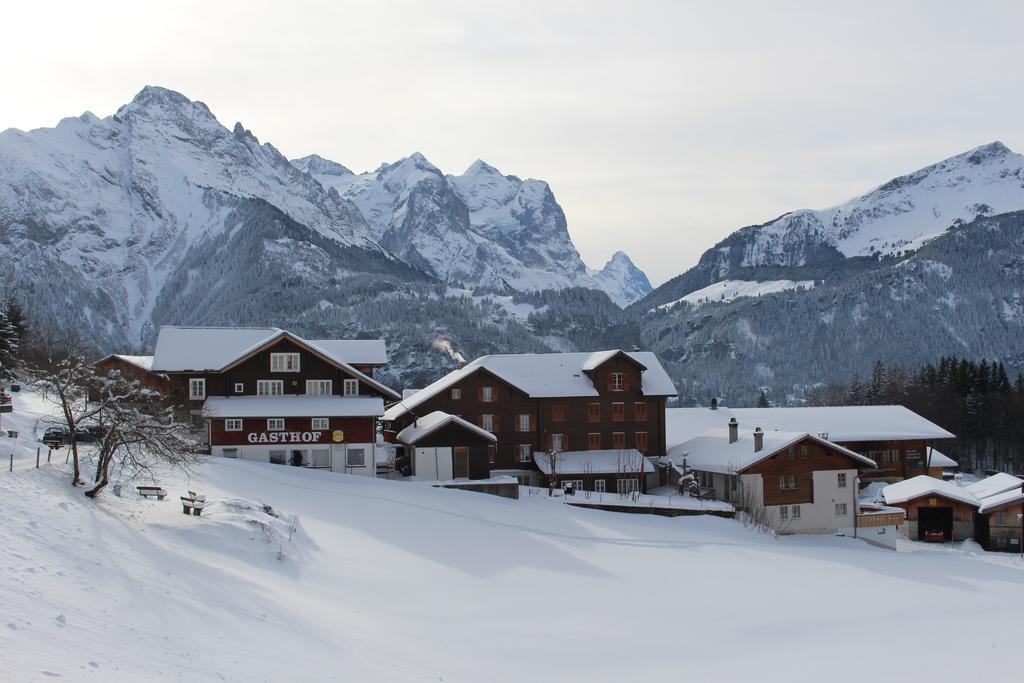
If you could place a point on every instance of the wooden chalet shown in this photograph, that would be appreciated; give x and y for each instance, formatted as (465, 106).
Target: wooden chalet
(267, 394)
(138, 368)
(535, 403)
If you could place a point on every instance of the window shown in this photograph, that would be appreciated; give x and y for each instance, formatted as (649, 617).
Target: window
(233, 425)
(783, 512)
(795, 511)
(594, 441)
(805, 451)
(492, 454)
(320, 423)
(523, 423)
(319, 387)
(627, 486)
(487, 395)
(487, 422)
(640, 412)
(791, 452)
(1001, 518)
(913, 459)
(229, 452)
(841, 477)
(350, 387)
(197, 388)
(618, 440)
(525, 452)
(284, 362)
(269, 387)
(355, 457)
(239, 387)
(616, 381)
(787, 482)
(456, 394)
(558, 442)
(558, 413)
(618, 412)
(277, 457)
(599, 485)
(275, 424)
(840, 509)
(593, 412)
(641, 441)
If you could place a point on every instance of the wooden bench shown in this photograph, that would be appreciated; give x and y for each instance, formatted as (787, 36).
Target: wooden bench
(193, 505)
(151, 492)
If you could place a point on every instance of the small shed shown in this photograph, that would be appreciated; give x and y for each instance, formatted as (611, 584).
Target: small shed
(934, 505)
(442, 446)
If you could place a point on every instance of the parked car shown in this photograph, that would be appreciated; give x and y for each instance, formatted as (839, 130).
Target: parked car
(55, 436)
(934, 536)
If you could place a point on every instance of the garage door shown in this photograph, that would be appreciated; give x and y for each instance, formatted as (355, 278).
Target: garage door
(935, 519)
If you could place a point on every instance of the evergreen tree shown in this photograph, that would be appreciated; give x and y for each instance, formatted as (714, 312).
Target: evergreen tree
(762, 400)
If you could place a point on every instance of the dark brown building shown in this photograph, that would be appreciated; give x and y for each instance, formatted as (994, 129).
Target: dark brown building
(267, 394)
(139, 368)
(533, 403)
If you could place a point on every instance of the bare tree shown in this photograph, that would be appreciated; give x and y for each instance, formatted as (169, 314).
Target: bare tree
(138, 432)
(552, 457)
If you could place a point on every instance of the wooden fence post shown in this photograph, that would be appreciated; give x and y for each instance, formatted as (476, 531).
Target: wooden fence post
(37, 457)
(49, 452)
(12, 462)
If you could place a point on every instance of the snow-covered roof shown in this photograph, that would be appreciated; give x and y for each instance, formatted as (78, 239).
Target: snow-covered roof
(923, 485)
(712, 452)
(938, 459)
(354, 351)
(436, 420)
(144, 362)
(995, 484)
(626, 461)
(846, 423)
(293, 406)
(213, 349)
(545, 375)
(683, 424)
(1014, 495)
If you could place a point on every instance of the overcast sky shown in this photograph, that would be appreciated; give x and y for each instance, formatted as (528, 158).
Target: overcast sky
(661, 126)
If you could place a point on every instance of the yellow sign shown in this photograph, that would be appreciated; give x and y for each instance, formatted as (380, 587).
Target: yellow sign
(337, 436)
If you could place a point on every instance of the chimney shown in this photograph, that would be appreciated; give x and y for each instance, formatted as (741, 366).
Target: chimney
(714, 404)
(734, 430)
(758, 439)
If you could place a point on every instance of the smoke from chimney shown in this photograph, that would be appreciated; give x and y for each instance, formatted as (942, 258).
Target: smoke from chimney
(445, 346)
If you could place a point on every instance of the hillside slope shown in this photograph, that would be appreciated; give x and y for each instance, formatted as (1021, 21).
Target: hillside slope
(393, 581)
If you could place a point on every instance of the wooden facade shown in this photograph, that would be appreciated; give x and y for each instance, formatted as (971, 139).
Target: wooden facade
(896, 459)
(933, 511)
(146, 378)
(619, 417)
(1000, 528)
(788, 475)
(470, 450)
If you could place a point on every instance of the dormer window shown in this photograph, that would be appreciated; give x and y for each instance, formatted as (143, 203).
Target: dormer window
(350, 387)
(617, 381)
(284, 362)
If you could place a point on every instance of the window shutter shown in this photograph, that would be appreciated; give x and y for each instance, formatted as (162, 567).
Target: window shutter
(533, 424)
(496, 422)
(625, 381)
(609, 381)
(480, 394)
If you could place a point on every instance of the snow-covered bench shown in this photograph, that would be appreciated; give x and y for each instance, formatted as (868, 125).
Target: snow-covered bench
(151, 492)
(192, 504)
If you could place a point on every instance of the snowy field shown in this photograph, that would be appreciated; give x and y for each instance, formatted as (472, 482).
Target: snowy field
(396, 581)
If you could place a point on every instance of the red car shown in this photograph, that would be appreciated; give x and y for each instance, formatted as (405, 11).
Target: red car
(934, 536)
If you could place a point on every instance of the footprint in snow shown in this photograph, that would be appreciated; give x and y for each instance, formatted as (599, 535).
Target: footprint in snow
(12, 626)
(54, 674)
(94, 665)
(60, 620)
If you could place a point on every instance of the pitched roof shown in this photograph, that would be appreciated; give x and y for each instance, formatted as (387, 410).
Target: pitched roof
(428, 424)
(938, 459)
(923, 485)
(1000, 500)
(628, 461)
(214, 349)
(144, 362)
(839, 423)
(293, 406)
(712, 452)
(354, 351)
(545, 375)
(846, 423)
(995, 484)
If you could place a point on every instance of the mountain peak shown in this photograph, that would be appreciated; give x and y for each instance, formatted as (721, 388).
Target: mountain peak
(622, 280)
(314, 164)
(992, 150)
(481, 167)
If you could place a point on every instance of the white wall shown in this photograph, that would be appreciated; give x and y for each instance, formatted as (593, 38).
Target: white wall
(819, 516)
(336, 456)
(433, 463)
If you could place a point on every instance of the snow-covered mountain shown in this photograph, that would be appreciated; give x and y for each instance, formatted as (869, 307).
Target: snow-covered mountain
(884, 223)
(159, 214)
(622, 280)
(922, 266)
(480, 229)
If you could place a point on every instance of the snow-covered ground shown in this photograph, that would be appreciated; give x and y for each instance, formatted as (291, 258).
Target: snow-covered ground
(397, 581)
(31, 416)
(728, 290)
